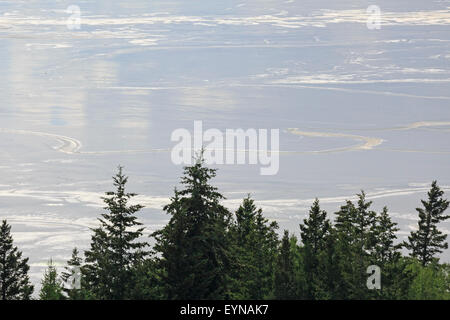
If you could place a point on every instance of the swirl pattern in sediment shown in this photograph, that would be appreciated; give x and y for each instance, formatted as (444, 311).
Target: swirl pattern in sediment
(71, 145)
(369, 143)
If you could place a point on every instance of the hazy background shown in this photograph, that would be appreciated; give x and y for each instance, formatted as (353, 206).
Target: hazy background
(76, 103)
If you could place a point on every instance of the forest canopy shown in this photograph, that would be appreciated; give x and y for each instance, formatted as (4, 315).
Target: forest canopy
(206, 251)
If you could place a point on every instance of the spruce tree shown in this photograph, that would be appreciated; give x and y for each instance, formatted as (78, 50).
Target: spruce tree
(365, 225)
(147, 282)
(255, 245)
(355, 229)
(14, 280)
(314, 232)
(328, 283)
(384, 249)
(73, 279)
(385, 254)
(115, 246)
(193, 248)
(51, 288)
(315, 228)
(428, 241)
(285, 282)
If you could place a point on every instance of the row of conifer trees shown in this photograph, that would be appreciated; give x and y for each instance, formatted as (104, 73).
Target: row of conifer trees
(207, 252)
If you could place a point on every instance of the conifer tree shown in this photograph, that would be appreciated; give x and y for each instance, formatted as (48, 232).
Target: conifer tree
(255, 244)
(285, 284)
(314, 232)
(147, 282)
(115, 246)
(14, 280)
(385, 254)
(193, 248)
(265, 256)
(384, 249)
(315, 228)
(73, 279)
(428, 241)
(355, 227)
(52, 288)
(365, 224)
(328, 284)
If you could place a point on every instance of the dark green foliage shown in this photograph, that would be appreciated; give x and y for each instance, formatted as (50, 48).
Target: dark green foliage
(115, 247)
(315, 228)
(315, 233)
(428, 241)
(385, 254)
(193, 247)
(285, 282)
(75, 287)
(430, 282)
(383, 244)
(147, 282)
(52, 288)
(205, 252)
(355, 230)
(14, 281)
(328, 284)
(254, 242)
